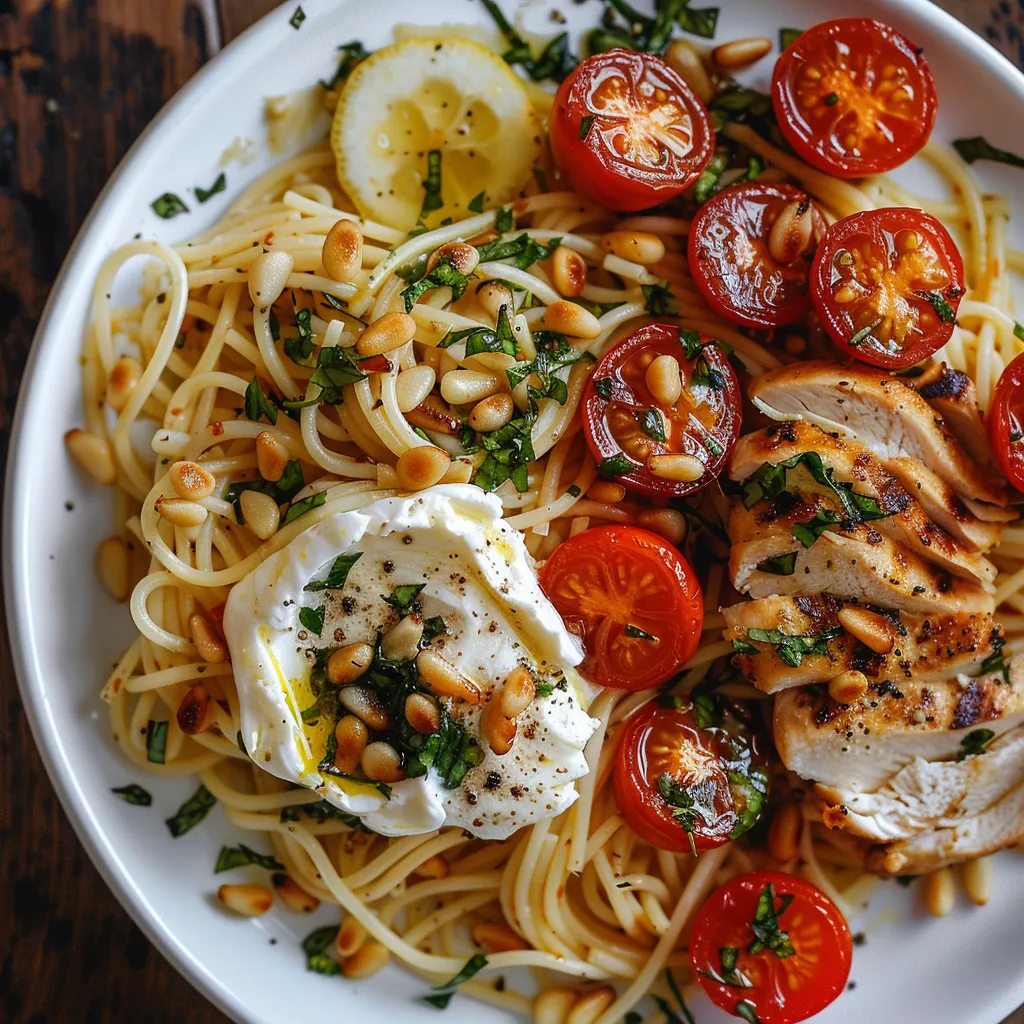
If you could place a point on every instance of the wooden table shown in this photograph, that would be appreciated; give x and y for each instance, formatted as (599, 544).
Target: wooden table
(79, 80)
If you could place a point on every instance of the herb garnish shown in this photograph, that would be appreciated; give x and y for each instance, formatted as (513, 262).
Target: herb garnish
(168, 205)
(509, 454)
(555, 60)
(312, 619)
(779, 565)
(351, 54)
(282, 490)
(432, 184)
(257, 404)
(300, 349)
(637, 633)
(202, 194)
(314, 946)
(603, 386)
(338, 574)
(787, 36)
(650, 34)
(943, 310)
(831, 99)
(443, 993)
(862, 335)
(767, 933)
(684, 809)
(978, 148)
(652, 424)
(790, 649)
(443, 275)
(615, 465)
(404, 597)
(476, 204)
(299, 508)
(241, 856)
(191, 812)
(134, 794)
(585, 125)
(156, 741)
(553, 353)
(974, 742)
(707, 183)
(334, 371)
(297, 18)
(523, 250)
(996, 661)
(659, 300)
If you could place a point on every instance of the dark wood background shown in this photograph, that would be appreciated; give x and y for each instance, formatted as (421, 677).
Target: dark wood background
(79, 80)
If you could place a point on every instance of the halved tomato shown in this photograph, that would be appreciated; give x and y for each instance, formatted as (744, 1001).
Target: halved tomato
(1006, 422)
(633, 601)
(887, 284)
(854, 97)
(627, 132)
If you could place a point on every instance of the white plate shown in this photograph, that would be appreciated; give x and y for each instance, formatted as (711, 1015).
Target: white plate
(66, 632)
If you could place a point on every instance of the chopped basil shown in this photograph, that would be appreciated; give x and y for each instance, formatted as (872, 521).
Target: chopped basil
(282, 490)
(652, 424)
(257, 404)
(831, 99)
(433, 627)
(156, 741)
(192, 811)
(320, 811)
(684, 809)
(746, 1011)
(299, 508)
(442, 994)
(637, 633)
(746, 106)
(351, 54)
(555, 60)
(615, 465)
(241, 856)
(553, 353)
(297, 18)
(705, 375)
(863, 334)
(545, 689)
(705, 711)
(328, 767)
(432, 184)
(790, 649)
(168, 205)
(315, 945)
(503, 220)
(312, 619)
(751, 788)
(202, 194)
(707, 183)
(659, 300)
(403, 597)
(509, 453)
(742, 647)
(787, 36)
(334, 371)
(335, 579)
(476, 204)
(979, 148)
(1018, 331)
(651, 34)
(603, 386)
(523, 250)
(678, 996)
(443, 275)
(943, 310)
(780, 565)
(573, 490)
(974, 742)
(134, 794)
(275, 326)
(996, 661)
(807, 533)
(906, 880)
(767, 933)
(451, 752)
(691, 342)
(713, 447)
(699, 22)
(300, 349)
(586, 123)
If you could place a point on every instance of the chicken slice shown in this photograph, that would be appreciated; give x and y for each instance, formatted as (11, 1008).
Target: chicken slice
(880, 412)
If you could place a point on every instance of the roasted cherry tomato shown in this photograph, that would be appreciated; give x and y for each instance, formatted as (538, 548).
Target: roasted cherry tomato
(854, 97)
(633, 601)
(1006, 423)
(750, 252)
(772, 941)
(632, 429)
(887, 284)
(683, 786)
(627, 132)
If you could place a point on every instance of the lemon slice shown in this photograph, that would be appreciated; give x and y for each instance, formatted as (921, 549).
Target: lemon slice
(453, 96)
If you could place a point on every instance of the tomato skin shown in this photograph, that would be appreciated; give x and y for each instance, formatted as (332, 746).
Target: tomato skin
(877, 239)
(611, 577)
(831, 120)
(1005, 418)
(653, 174)
(727, 229)
(787, 990)
(623, 366)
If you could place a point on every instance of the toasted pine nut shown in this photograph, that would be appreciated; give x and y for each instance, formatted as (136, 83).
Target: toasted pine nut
(874, 631)
(401, 642)
(260, 513)
(112, 564)
(664, 381)
(459, 472)
(180, 512)
(348, 663)
(462, 256)
(684, 61)
(552, 1006)
(636, 246)
(271, 456)
(422, 713)
(570, 318)
(123, 378)
(268, 275)
(191, 714)
(518, 691)
(977, 878)
(590, 1005)
(93, 454)
(443, 679)
(343, 251)
(740, 53)
(498, 728)
(497, 937)
(292, 895)
(191, 481)
(784, 833)
(248, 899)
(422, 466)
(460, 387)
(681, 468)
(608, 492)
(366, 960)
(386, 333)
(666, 522)
(352, 736)
(208, 644)
(382, 763)
(351, 935)
(848, 687)
(432, 867)
(791, 234)
(939, 892)
(413, 385)
(568, 271)
(493, 296)
(492, 413)
(364, 704)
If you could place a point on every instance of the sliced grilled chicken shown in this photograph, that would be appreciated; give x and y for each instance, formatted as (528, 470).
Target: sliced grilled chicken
(850, 463)
(850, 562)
(926, 648)
(880, 412)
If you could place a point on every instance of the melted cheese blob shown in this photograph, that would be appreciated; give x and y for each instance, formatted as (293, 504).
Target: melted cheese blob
(478, 576)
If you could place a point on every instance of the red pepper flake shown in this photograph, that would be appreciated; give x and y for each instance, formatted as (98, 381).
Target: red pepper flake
(217, 428)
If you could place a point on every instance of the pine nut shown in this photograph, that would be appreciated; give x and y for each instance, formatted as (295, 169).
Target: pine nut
(784, 833)
(848, 687)
(343, 251)
(497, 937)
(432, 867)
(939, 892)
(268, 275)
(791, 234)
(606, 491)
(570, 318)
(422, 713)
(260, 513)
(462, 256)
(740, 53)
(664, 381)
(666, 522)
(292, 895)
(364, 704)
(460, 387)
(351, 935)
(382, 763)
(180, 512)
(874, 631)
(422, 466)
(352, 736)
(123, 378)
(977, 878)
(248, 899)
(367, 960)
(386, 333)
(492, 296)
(518, 692)
(492, 413)
(636, 246)
(209, 646)
(401, 642)
(413, 385)
(93, 454)
(443, 679)
(498, 729)
(271, 456)
(590, 1005)
(191, 481)
(568, 271)
(552, 1006)
(191, 714)
(680, 468)
(348, 663)
(683, 60)
(113, 566)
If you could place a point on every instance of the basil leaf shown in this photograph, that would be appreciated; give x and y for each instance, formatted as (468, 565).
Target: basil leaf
(603, 386)
(503, 220)
(974, 743)
(615, 465)
(351, 54)
(863, 334)
(432, 184)
(314, 946)
(156, 741)
(787, 36)
(659, 300)
(191, 812)
(297, 18)
(257, 404)
(707, 183)
(312, 619)
(403, 597)
(652, 424)
(701, 22)
(943, 310)
(767, 932)
(338, 574)
(978, 148)
(202, 194)
(779, 565)
(242, 856)
(476, 204)
(134, 794)
(168, 205)
(637, 633)
(299, 508)
(444, 993)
